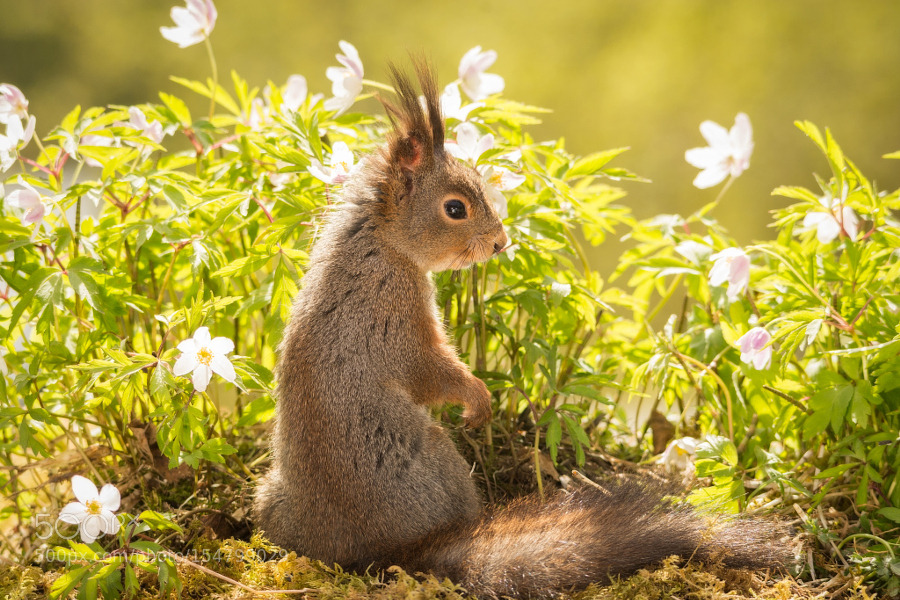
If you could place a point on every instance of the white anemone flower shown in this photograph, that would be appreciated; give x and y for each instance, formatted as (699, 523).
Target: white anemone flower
(29, 201)
(477, 84)
(342, 165)
(679, 456)
(151, 130)
(203, 356)
(469, 145)
(756, 348)
(94, 513)
(731, 265)
(728, 152)
(346, 81)
(16, 138)
(499, 180)
(295, 92)
(452, 106)
(193, 23)
(13, 103)
(8, 153)
(834, 218)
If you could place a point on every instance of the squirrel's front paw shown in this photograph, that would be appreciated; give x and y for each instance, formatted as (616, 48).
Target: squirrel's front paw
(478, 404)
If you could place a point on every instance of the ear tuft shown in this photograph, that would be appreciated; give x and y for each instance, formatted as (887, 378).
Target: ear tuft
(418, 133)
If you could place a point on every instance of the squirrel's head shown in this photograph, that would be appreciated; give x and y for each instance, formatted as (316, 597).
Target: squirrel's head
(434, 208)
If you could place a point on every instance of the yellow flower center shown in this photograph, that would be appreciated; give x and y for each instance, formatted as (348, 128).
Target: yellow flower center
(204, 356)
(93, 507)
(343, 166)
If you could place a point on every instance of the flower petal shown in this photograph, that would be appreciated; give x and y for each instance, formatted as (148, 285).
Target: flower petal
(467, 62)
(320, 171)
(73, 512)
(186, 363)
(466, 139)
(91, 528)
(201, 377)
(490, 84)
(202, 337)
(711, 176)
(183, 37)
(828, 229)
(703, 158)
(110, 498)
(850, 222)
(84, 489)
(221, 345)
(813, 219)
(110, 523)
(763, 359)
(485, 143)
(341, 153)
(719, 273)
(295, 92)
(222, 367)
(741, 135)
(714, 134)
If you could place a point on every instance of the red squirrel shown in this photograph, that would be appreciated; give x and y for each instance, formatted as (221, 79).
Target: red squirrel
(362, 474)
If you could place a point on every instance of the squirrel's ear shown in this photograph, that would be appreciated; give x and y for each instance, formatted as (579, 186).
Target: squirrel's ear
(409, 153)
(418, 130)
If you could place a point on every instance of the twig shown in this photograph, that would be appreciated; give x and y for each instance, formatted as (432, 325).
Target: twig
(793, 401)
(862, 310)
(233, 582)
(584, 479)
(749, 434)
(480, 459)
(833, 545)
(264, 209)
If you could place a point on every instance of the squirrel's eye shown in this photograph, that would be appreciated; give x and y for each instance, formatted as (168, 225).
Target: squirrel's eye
(455, 209)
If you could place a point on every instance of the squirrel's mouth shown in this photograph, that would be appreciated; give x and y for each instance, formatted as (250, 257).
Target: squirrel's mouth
(475, 252)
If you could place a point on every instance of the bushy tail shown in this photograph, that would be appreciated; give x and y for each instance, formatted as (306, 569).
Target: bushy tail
(534, 550)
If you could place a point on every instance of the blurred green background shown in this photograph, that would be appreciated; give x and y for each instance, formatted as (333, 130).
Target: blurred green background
(638, 73)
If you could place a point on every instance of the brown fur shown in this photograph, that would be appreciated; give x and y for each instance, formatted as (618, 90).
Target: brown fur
(362, 474)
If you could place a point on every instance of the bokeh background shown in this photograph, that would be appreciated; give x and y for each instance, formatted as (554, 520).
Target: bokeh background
(638, 73)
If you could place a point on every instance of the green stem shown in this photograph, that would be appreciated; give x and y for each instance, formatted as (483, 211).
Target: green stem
(162, 289)
(215, 77)
(709, 207)
(664, 299)
(869, 537)
(378, 84)
(579, 251)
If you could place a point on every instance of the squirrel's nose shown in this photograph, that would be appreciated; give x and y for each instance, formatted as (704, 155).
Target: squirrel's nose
(500, 243)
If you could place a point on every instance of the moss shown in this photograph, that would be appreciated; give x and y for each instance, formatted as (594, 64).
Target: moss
(261, 565)
(23, 583)
(694, 583)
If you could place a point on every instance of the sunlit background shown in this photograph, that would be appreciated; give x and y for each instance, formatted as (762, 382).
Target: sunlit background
(638, 73)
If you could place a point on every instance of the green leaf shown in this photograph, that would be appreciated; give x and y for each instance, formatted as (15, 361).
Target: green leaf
(890, 513)
(717, 446)
(222, 97)
(553, 436)
(590, 164)
(67, 582)
(35, 282)
(159, 521)
(797, 193)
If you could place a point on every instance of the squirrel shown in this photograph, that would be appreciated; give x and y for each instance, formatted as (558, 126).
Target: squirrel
(362, 475)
